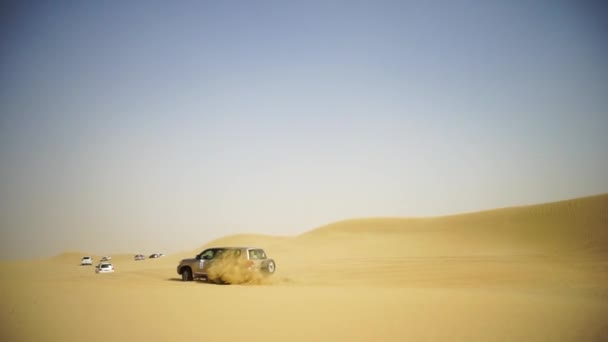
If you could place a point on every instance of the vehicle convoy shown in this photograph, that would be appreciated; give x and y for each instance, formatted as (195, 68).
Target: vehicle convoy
(227, 265)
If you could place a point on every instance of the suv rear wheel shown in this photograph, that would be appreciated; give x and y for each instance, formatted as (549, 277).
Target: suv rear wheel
(270, 267)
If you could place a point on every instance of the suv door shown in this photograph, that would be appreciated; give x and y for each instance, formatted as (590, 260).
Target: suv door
(206, 259)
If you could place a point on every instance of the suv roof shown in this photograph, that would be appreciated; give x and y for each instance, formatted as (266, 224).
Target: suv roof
(217, 247)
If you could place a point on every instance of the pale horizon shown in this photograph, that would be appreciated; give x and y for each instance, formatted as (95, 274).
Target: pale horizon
(130, 128)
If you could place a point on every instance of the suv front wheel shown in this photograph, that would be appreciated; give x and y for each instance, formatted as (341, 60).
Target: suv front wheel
(187, 274)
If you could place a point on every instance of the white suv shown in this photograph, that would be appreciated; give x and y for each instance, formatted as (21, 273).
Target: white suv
(86, 261)
(104, 267)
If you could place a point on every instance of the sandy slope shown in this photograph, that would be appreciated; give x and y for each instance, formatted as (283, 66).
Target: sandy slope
(537, 273)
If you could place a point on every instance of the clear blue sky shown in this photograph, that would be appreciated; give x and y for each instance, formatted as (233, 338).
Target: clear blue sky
(143, 126)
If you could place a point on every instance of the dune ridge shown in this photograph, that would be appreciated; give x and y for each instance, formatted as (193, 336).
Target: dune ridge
(569, 226)
(578, 225)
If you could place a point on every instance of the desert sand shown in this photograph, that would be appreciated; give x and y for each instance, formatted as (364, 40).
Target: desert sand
(532, 273)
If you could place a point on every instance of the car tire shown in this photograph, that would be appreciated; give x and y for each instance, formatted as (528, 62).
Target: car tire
(187, 274)
(270, 267)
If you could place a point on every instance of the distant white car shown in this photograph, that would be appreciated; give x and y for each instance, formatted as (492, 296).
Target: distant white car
(139, 257)
(86, 261)
(106, 258)
(104, 267)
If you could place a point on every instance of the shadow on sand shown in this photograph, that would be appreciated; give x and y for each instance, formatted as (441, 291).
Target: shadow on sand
(179, 280)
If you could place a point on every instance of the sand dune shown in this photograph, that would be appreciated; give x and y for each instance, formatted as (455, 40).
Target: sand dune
(533, 273)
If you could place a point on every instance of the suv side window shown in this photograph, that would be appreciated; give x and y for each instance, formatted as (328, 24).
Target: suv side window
(218, 253)
(208, 254)
(256, 254)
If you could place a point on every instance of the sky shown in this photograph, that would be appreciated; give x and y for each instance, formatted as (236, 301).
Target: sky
(157, 126)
